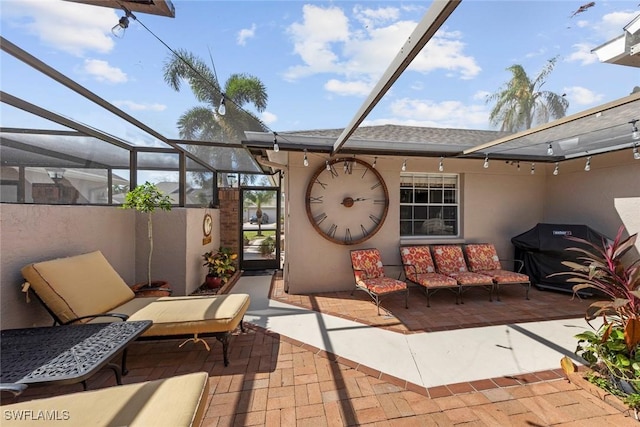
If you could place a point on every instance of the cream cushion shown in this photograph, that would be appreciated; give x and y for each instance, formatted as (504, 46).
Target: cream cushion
(78, 286)
(171, 402)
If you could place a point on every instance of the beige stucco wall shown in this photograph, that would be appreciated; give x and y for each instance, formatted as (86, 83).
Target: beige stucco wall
(31, 233)
(497, 204)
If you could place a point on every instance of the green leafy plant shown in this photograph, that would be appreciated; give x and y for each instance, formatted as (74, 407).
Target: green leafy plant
(267, 246)
(612, 350)
(220, 263)
(146, 198)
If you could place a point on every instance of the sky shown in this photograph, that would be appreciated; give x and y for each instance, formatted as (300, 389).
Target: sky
(318, 60)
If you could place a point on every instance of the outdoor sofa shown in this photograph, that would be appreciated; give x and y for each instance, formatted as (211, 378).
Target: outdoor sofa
(86, 288)
(178, 401)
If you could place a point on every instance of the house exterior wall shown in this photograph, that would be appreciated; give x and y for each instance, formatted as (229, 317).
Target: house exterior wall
(31, 233)
(496, 204)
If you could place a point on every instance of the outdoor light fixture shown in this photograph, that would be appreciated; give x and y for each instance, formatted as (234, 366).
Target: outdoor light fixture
(533, 168)
(404, 165)
(375, 160)
(550, 150)
(276, 147)
(634, 129)
(636, 154)
(305, 162)
(345, 167)
(518, 165)
(556, 169)
(119, 29)
(441, 164)
(587, 167)
(486, 162)
(56, 174)
(327, 165)
(222, 109)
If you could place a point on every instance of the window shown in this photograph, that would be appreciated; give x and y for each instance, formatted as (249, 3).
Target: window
(429, 204)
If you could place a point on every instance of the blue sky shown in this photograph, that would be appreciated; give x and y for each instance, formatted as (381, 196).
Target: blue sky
(317, 59)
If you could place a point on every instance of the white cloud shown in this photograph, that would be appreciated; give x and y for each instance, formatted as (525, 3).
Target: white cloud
(135, 106)
(582, 54)
(71, 27)
(245, 34)
(103, 72)
(582, 96)
(268, 118)
(325, 44)
(612, 24)
(481, 95)
(450, 114)
(348, 88)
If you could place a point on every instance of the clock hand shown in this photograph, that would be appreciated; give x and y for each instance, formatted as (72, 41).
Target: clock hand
(349, 201)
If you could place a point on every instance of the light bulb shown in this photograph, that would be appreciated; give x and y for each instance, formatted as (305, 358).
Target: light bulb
(587, 166)
(636, 154)
(518, 165)
(404, 166)
(222, 109)
(441, 164)
(555, 170)
(635, 134)
(550, 150)
(327, 165)
(119, 29)
(345, 167)
(276, 147)
(486, 162)
(305, 162)
(533, 168)
(375, 160)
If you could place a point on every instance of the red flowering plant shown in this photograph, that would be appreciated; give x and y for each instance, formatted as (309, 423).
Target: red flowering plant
(613, 349)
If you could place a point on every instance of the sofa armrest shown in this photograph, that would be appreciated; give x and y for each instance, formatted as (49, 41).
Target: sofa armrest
(120, 316)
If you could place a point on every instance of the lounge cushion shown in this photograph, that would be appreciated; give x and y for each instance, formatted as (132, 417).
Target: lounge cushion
(78, 286)
(171, 402)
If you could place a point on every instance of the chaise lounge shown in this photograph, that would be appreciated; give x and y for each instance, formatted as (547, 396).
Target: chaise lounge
(178, 401)
(86, 288)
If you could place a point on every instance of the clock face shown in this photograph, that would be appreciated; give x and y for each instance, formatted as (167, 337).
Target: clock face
(207, 225)
(347, 201)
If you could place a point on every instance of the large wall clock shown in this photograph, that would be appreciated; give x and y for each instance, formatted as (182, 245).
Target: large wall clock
(347, 201)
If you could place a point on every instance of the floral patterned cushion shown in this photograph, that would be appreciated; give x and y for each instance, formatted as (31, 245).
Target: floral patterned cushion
(482, 257)
(416, 260)
(467, 278)
(382, 285)
(367, 264)
(434, 280)
(449, 259)
(505, 276)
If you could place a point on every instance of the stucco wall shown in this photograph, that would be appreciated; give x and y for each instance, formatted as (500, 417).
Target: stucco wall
(497, 204)
(31, 233)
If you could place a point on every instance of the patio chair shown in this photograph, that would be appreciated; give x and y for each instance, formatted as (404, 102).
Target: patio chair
(368, 272)
(176, 401)
(483, 259)
(86, 288)
(419, 269)
(449, 260)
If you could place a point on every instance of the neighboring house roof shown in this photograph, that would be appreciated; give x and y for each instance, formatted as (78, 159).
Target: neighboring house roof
(624, 49)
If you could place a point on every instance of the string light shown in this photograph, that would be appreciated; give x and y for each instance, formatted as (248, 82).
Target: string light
(634, 129)
(518, 165)
(222, 109)
(533, 168)
(404, 165)
(556, 169)
(550, 150)
(587, 166)
(441, 164)
(636, 154)
(276, 147)
(375, 160)
(305, 161)
(327, 165)
(345, 167)
(486, 162)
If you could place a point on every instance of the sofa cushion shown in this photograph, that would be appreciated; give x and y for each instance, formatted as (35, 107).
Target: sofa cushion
(174, 401)
(78, 286)
(189, 314)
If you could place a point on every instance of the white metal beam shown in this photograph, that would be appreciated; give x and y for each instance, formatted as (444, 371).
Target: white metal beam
(437, 14)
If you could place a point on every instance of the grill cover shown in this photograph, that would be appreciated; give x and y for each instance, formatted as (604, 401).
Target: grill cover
(543, 248)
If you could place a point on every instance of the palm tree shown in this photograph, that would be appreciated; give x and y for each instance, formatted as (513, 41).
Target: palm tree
(203, 122)
(520, 103)
(258, 198)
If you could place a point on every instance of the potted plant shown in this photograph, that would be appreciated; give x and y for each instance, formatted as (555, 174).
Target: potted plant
(146, 198)
(611, 351)
(220, 265)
